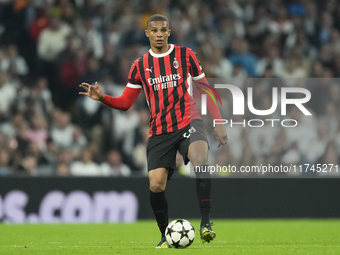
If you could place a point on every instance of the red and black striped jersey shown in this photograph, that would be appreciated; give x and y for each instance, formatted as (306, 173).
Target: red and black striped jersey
(166, 79)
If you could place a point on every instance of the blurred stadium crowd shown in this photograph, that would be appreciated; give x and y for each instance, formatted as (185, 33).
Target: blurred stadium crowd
(48, 47)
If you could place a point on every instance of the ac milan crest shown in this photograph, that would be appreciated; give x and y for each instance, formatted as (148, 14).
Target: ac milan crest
(175, 63)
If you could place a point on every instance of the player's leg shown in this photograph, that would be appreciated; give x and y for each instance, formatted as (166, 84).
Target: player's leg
(194, 147)
(161, 157)
(159, 205)
(198, 156)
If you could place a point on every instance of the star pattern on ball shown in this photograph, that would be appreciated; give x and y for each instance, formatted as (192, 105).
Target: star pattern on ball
(184, 233)
(170, 230)
(180, 234)
(176, 244)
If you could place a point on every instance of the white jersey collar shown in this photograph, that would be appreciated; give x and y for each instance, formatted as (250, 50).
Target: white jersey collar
(163, 54)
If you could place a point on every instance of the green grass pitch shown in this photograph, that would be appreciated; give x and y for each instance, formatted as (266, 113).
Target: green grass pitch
(284, 237)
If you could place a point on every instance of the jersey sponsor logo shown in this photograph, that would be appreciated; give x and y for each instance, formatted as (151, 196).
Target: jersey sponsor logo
(150, 70)
(164, 81)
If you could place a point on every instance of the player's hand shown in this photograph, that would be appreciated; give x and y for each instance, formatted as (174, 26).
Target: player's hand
(220, 134)
(94, 92)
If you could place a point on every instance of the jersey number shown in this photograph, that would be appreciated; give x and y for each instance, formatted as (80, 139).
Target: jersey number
(189, 132)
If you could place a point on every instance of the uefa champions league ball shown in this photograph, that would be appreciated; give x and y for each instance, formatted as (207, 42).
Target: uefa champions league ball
(180, 234)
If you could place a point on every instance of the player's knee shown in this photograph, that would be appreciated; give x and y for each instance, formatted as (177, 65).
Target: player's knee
(199, 159)
(157, 187)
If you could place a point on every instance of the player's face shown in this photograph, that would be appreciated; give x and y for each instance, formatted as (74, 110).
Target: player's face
(158, 33)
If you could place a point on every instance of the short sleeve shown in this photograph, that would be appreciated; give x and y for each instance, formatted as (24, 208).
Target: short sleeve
(135, 81)
(196, 70)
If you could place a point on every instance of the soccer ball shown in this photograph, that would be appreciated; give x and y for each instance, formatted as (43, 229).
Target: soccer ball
(180, 234)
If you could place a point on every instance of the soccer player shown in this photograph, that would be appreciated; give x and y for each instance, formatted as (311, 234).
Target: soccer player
(165, 72)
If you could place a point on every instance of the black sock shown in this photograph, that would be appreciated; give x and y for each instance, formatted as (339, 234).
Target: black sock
(203, 189)
(160, 209)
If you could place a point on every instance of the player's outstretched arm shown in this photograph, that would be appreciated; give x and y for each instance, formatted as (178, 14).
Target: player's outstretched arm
(124, 102)
(93, 92)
